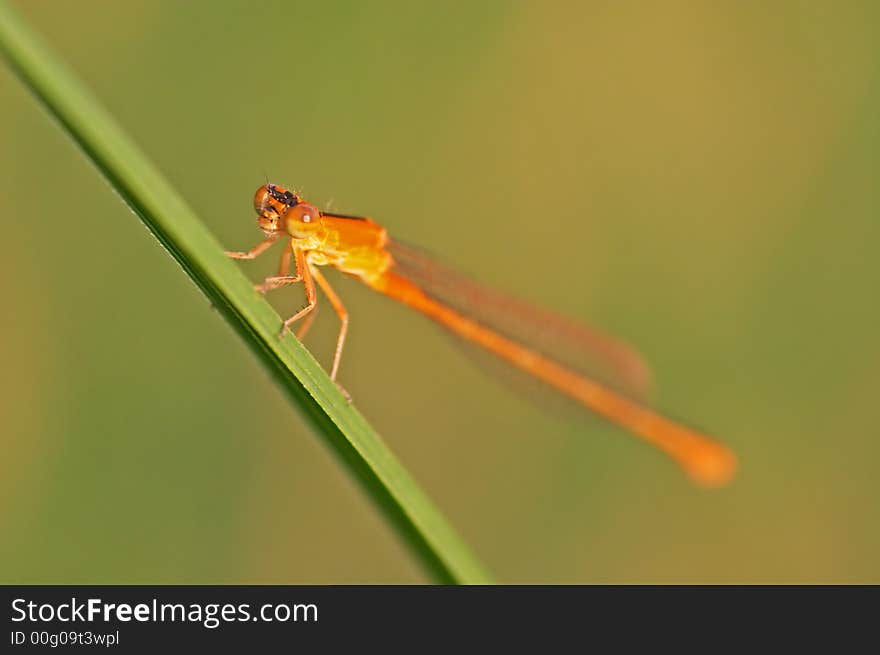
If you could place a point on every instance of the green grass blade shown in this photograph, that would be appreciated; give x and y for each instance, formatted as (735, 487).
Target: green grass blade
(186, 238)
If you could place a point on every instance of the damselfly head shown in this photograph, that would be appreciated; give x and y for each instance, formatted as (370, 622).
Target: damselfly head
(271, 202)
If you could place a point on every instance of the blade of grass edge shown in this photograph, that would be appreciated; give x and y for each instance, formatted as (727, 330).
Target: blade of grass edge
(142, 187)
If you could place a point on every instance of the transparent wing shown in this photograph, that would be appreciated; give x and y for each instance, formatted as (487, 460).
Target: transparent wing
(584, 349)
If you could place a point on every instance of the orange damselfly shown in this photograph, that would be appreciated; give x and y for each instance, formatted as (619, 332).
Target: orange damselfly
(360, 247)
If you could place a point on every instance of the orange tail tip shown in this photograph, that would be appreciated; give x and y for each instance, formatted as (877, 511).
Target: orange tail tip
(711, 465)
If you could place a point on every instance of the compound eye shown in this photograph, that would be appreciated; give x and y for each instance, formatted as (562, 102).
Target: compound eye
(261, 199)
(304, 213)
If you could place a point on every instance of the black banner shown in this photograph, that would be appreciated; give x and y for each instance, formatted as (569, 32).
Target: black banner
(147, 618)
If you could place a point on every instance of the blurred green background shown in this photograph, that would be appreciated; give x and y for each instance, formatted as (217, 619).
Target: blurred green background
(699, 178)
